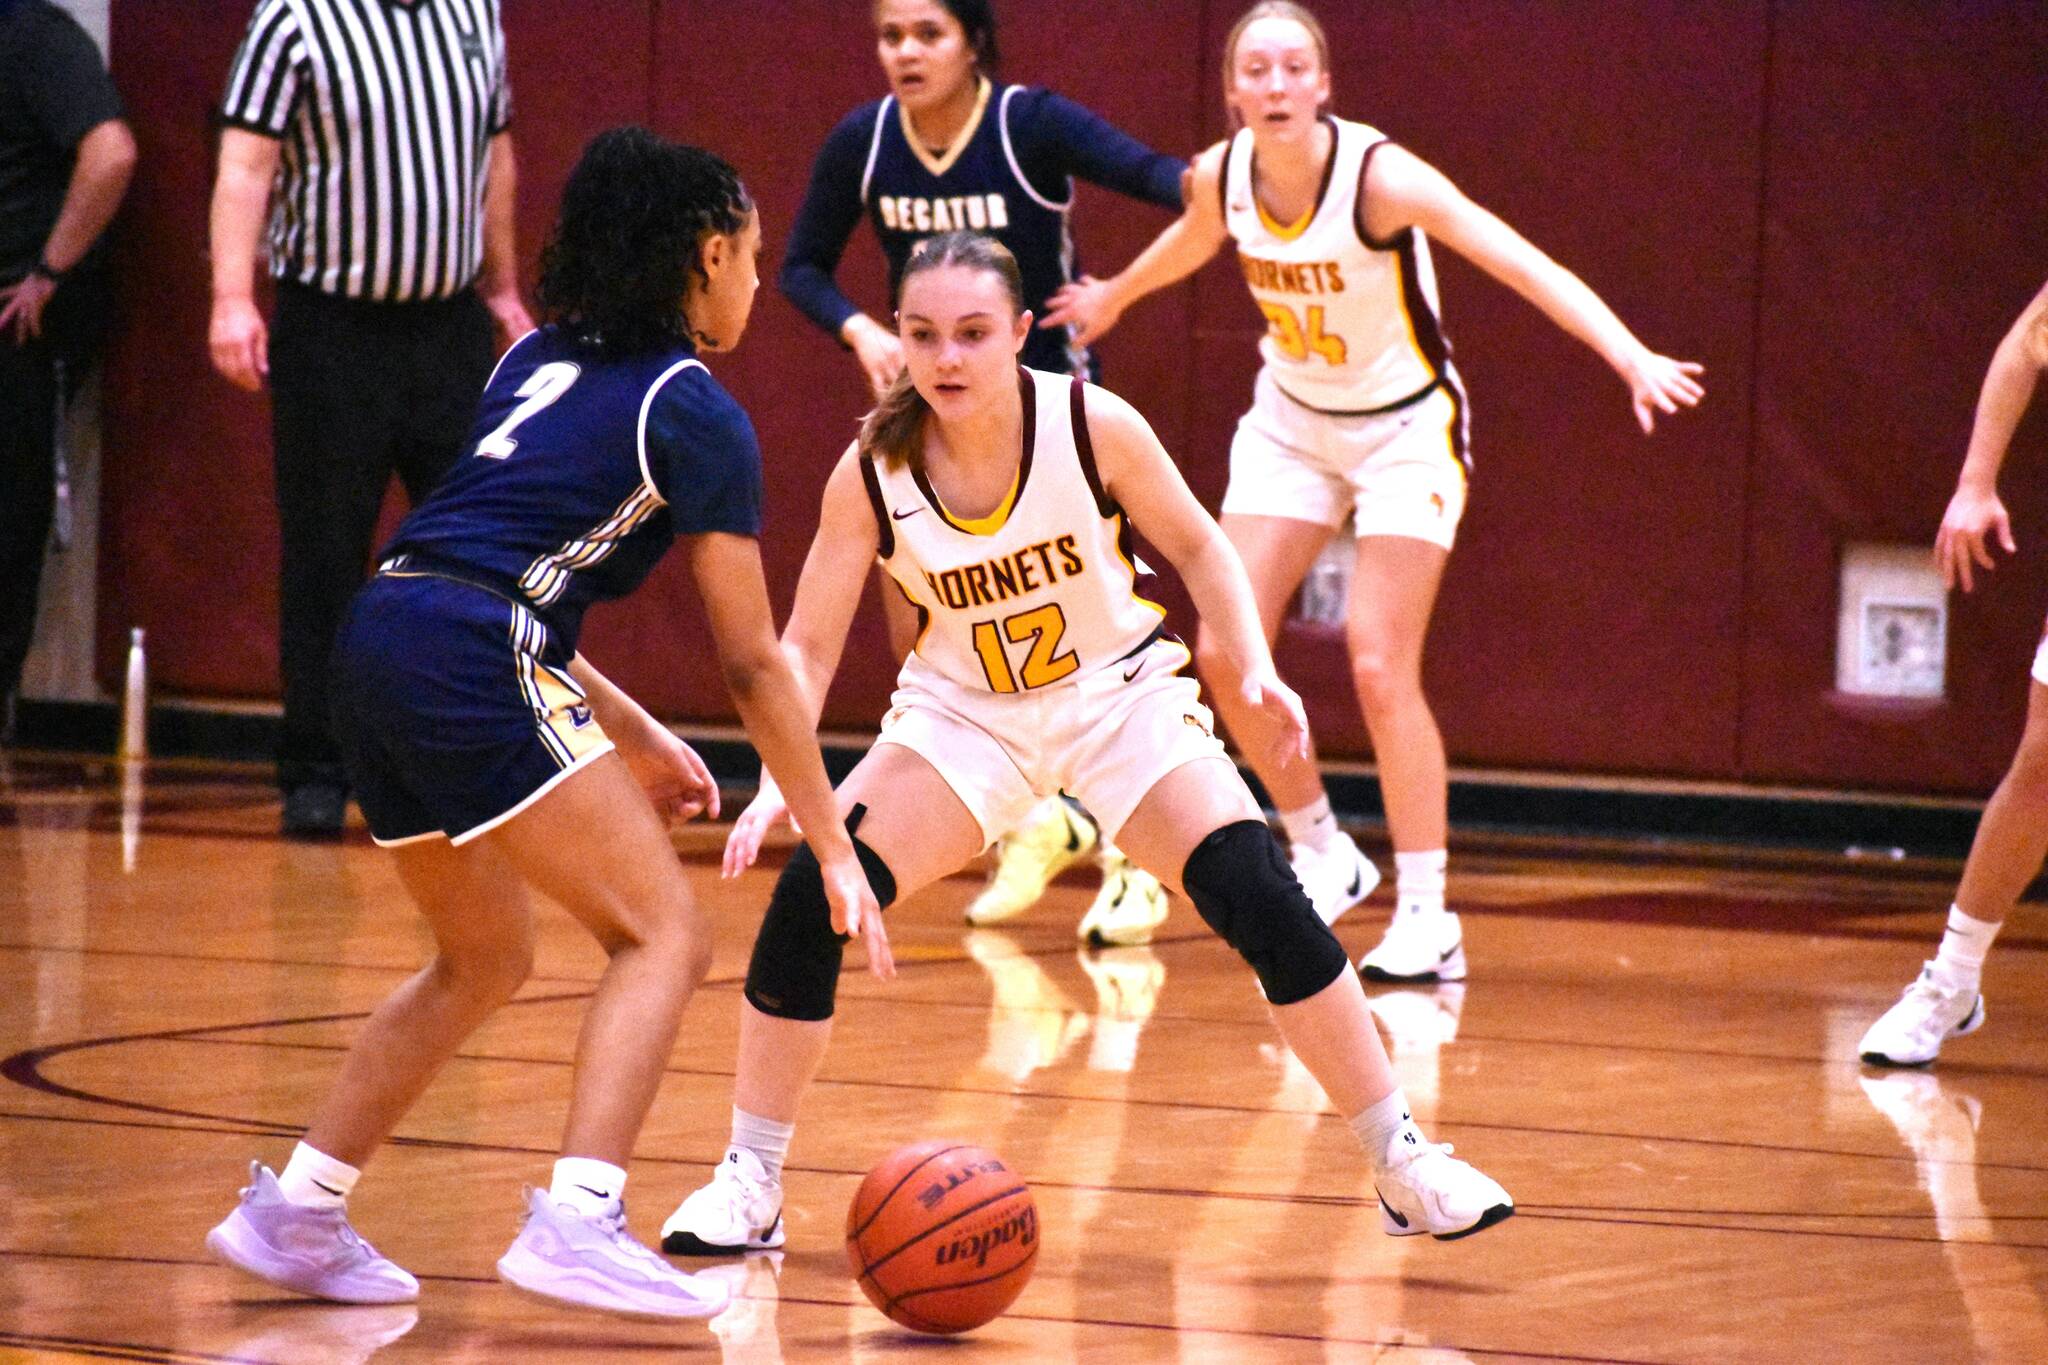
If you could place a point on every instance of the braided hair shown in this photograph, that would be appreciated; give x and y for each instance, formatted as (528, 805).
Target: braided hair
(636, 209)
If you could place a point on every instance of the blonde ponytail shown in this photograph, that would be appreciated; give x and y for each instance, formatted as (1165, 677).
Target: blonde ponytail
(893, 431)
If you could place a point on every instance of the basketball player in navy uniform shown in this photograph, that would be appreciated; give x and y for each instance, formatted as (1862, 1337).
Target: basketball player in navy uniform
(1358, 415)
(1002, 501)
(951, 148)
(489, 756)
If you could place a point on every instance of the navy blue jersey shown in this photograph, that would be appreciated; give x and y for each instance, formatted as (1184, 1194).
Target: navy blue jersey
(1010, 173)
(581, 472)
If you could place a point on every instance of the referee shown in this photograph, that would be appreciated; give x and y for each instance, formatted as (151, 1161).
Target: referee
(371, 135)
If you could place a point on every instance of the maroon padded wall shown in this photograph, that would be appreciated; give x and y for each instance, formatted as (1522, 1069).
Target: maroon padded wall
(1905, 172)
(1589, 619)
(1833, 205)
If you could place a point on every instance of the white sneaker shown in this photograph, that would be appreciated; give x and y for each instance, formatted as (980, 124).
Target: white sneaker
(1336, 878)
(1931, 1011)
(1420, 945)
(567, 1256)
(1053, 836)
(1130, 905)
(740, 1210)
(1423, 1188)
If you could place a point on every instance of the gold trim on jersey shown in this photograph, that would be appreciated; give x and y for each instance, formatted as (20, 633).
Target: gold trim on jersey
(1118, 542)
(994, 521)
(546, 577)
(943, 161)
(1286, 232)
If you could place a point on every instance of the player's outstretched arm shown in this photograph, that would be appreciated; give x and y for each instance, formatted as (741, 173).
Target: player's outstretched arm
(668, 770)
(781, 720)
(1975, 511)
(1402, 190)
(1141, 476)
(827, 595)
(1093, 306)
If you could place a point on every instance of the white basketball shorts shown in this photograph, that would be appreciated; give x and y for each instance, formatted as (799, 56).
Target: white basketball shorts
(1398, 473)
(1105, 739)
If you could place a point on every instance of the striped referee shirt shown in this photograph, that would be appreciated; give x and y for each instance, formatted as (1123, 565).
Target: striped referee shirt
(385, 110)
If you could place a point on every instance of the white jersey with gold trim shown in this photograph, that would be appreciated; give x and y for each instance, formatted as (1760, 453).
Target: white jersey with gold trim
(1351, 324)
(1042, 591)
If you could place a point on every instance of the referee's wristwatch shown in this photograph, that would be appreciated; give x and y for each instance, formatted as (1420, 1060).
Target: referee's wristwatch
(47, 271)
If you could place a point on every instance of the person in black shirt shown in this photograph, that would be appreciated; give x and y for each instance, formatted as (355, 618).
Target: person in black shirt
(65, 160)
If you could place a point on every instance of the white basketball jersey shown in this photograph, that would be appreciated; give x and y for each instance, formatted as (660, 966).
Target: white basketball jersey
(1351, 326)
(1039, 592)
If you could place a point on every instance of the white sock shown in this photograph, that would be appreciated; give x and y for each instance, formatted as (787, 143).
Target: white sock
(1419, 881)
(587, 1185)
(1377, 1124)
(1312, 827)
(316, 1179)
(765, 1138)
(1960, 958)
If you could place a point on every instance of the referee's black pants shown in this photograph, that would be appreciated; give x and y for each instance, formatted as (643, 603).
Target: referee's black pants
(359, 391)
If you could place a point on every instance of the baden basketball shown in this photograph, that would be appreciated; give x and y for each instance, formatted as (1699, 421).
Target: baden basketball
(942, 1236)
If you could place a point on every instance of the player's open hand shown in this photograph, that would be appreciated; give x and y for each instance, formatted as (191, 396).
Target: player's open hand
(879, 350)
(22, 304)
(1282, 709)
(1086, 305)
(855, 913)
(1973, 515)
(673, 776)
(1657, 383)
(762, 814)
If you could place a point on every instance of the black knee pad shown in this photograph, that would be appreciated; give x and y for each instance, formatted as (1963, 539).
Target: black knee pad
(794, 973)
(1247, 893)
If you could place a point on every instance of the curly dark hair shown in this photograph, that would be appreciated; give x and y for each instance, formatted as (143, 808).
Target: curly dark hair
(618, 262)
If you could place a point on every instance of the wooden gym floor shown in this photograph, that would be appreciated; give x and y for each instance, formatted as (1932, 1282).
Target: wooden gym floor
(1655, 1056)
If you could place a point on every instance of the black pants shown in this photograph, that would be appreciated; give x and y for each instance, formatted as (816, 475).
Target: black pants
(359, 391)
(73, 322)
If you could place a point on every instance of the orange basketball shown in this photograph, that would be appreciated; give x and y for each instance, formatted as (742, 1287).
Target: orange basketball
(942, 1236)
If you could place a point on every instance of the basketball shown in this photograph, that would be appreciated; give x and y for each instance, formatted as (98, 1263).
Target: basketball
(942, 1236)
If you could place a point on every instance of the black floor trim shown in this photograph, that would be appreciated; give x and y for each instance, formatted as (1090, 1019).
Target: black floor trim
(1879, 829)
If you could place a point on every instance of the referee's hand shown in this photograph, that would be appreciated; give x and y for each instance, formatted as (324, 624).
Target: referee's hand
(239, 342)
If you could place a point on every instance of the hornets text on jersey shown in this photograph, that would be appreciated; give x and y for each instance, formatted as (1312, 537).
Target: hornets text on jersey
(1351, 323)
(580, 473)
(1040, 591)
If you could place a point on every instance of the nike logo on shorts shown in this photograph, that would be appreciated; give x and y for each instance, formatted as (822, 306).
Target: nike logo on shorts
(899, 513)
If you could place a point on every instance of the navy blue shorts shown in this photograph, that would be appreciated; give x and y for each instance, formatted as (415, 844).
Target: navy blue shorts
(454, 708)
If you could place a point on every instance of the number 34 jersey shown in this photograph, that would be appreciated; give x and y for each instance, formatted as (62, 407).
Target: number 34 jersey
(1040, 591)
(1351, 323)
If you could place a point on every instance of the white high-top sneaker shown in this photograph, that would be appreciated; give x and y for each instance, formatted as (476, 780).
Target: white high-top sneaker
(1931, 1011)
(740, 1210)
(1335, 879)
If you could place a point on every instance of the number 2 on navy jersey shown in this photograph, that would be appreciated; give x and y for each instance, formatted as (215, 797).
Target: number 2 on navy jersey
(541, 388)
(1044, 627)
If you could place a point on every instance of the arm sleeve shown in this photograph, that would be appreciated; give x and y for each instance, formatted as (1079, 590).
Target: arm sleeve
(1056, 137)
(703, 457)
(831, 210)
(263, 83)
(501, 90)
(66, 86)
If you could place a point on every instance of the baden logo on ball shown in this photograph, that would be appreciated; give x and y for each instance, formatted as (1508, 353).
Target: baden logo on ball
(942, 1236)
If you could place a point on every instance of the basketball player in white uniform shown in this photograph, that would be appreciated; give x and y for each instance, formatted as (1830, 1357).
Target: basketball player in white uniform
(1945, 1000)
(1002, 500)
(1357, 415)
